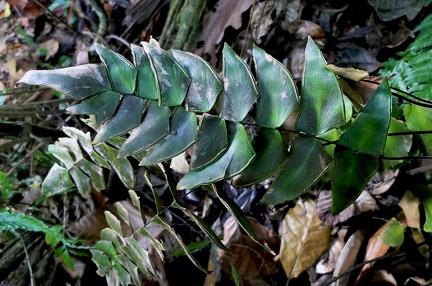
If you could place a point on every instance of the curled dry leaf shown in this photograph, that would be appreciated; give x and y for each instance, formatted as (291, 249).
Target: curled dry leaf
(348, 257)
(327, 263)
(364, 203)
(381, 182)
(304, 238)
(251, 261)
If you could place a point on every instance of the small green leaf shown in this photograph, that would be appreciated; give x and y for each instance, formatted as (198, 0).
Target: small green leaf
(131, 268)
(212, 142)
(307, 163)
(53, 238)
(173, 79)
(278, 92)
(239, 216)
(183, 134)
(205, 85)
(156, 219)
(238, 156)
(139, 256)
(110, 235)
(153, 128)
(240, 91)
(113, 222)
(121, 274)
(157, 200)
(147, 82)
(322, 104)
(425, 196)
(94, 172)
(127, 117)
(80, 136)
(57, 181)
(135, 199)
(419, 118)
(107, 247)
(156, 243)
(77, 82)
(102, 262)
(122, 166)
(67, 260)
(368, 133)
(235, 275)
(122, 212)
(193, 247)
(122, 73)
(102, 105)
(269, 144)
(351, 172)
(82, 182)
(203, 226)
(396, 146)
(73, 147)
(62, 154)
(393, 234)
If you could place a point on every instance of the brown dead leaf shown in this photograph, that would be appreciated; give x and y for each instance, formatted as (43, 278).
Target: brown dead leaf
(251, 261)
(51, 46)
(348, 257)
(228, 13)
(30, 9)
(364, 203)
(365, 88)
(381, 182)
(410, 206)
(328, 262)
(376, 248)
(303, 28)
(304, 238)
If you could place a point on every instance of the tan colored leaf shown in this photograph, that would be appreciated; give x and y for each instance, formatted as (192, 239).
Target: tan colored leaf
(410, 206)
(51, 46)
(328, 261)
(348, 257)
(381, 182)
(251, 261)
(304, 238)
(364, 203)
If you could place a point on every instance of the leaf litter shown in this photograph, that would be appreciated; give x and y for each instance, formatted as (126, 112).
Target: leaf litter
(313, 245)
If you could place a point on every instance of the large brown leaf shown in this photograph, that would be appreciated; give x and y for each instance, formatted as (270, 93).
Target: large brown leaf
(304, 238)
(228, 13)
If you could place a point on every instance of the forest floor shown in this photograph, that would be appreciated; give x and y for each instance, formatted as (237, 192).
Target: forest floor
(50, 34)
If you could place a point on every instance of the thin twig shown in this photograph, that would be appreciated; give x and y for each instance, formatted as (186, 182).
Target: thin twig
(32, 281)
(25, 158)
(418, 170)
(369, 261)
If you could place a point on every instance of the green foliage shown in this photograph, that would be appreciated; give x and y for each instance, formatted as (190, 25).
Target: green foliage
(393, 235)
(168, 89)
(11, 220)
(167, 103)
(121, 259)
(411, 73)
